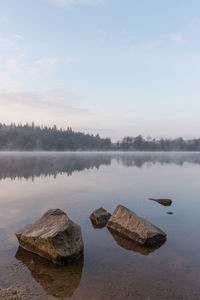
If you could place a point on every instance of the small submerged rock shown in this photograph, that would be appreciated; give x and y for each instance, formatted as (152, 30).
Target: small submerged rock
(100, 217)
(127, 224)
(54, 237)
(165, 202)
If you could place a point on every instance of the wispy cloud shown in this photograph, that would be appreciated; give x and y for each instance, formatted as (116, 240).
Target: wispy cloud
(7, 82)
(176, 37)
(13, 65)
(17, 71)
(11, 41)
(146, 46)
(67, 3)
(101, 31)
(3, 19)
(46, 106)
(46, 62)
(43, 64)
(17, 36)
(7, 42)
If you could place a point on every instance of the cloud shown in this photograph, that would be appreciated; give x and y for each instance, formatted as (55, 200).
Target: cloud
(46, 63)
(13, 65)
(7, 42)
(17, 36)
(145, 47)
(48, 106)
(8, 83)
(177, 38)
(10, 42)
(18, 72)
(67, 3)
(43, 64)
(3, 19)
(62, 106)
(101, 31)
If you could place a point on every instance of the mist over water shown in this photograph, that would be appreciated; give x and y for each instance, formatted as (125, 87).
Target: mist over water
(111, 268)
(35, 164)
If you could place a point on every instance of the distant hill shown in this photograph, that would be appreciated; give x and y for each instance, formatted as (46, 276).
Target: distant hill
(30, 137)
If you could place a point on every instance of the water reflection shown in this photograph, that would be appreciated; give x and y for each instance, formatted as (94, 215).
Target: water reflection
(95, 226)
(113, 267)
(138, 159)
(44, 164)
(131, 246)
(60, 282)
(30, 165)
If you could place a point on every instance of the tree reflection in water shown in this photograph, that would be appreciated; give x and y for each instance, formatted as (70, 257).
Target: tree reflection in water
(32, 164)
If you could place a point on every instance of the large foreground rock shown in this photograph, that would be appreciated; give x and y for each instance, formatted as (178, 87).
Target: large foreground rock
(54, 237)
(100, 217)
(129, 225)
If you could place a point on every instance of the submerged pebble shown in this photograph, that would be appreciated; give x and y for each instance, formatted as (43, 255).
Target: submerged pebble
(11, 294)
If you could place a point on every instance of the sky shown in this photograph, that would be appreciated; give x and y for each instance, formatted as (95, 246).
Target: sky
(113, 67)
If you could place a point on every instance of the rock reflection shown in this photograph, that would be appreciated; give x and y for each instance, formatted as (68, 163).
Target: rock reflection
(60, 282)
(131, 246)
(95, 226)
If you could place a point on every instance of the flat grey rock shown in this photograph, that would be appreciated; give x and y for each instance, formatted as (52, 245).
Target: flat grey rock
(127, 224)
(54, 237)
(100, 217)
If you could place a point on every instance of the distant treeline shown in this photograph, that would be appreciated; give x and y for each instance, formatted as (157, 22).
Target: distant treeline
(30, 137)
(140, 144)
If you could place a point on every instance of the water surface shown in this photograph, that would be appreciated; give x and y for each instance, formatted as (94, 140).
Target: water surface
(112, 268)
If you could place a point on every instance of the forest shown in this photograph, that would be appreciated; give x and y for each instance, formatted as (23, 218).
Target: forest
(139, 143)
(29, 137)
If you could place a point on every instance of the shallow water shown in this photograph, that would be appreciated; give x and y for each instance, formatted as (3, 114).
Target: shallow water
(112, 268)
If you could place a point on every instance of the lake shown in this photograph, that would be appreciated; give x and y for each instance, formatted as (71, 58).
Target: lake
(111, 268)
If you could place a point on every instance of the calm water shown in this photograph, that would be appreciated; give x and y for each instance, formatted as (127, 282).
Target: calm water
(111, 268)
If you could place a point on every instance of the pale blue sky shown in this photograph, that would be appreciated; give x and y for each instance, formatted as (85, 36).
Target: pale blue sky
(117, 67)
